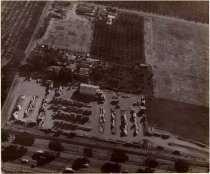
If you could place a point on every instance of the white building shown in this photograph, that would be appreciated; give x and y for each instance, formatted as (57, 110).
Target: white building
(110, 19)
(87, 89)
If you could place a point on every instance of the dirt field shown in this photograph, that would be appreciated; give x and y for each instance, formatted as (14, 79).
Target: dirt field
(179, 60)
(122, 42)
(186, 120)
(179, 63)
(74, 32)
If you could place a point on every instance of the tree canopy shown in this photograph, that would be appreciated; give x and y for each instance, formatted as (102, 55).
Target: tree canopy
(55, 146)
(88, 151)
(181, 166)
(13, 152)
(119, 156)
(24, 139)
(151, 162)
(4, 136)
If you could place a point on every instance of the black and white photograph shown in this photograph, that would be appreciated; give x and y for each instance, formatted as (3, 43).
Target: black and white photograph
(104, 86)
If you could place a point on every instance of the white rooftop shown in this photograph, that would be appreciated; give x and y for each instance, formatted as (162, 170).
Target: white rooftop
(88, 85)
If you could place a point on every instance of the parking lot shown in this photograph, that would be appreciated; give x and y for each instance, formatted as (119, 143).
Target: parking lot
(93, 126)
(71, 120)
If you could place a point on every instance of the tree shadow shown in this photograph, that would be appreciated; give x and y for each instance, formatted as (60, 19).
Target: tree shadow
(78, 163)
(111, 168)
(42, 159)
(82, 98)
(12, 152)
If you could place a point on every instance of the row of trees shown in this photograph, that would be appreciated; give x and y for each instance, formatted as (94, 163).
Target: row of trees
(47, 61)
(59, 74)
(116, 76)
(42, 58)
(13, 152)
(24, 139)
(118, 156)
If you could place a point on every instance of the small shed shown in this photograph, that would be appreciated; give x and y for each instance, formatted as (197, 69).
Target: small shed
(15, 115)
(18, 107)
(87, 89)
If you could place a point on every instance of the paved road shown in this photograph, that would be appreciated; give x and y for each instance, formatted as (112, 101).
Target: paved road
(108, 145)
(72, 152)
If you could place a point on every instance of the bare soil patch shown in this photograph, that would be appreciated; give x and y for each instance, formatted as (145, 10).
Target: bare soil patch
(178, 54)
(71, 32)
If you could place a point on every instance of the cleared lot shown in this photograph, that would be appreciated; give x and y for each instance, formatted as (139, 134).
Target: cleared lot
(71, 32)
(186, 120)
(178, 54)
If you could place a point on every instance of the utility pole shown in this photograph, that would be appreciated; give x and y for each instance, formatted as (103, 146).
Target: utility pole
(170, 164)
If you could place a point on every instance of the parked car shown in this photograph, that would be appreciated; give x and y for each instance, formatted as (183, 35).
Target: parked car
(69, 170)
(85, 165)
(40, 151)
(24, 161)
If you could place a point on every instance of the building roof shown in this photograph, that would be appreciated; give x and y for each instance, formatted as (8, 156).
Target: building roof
(111, 16)
(88, 85)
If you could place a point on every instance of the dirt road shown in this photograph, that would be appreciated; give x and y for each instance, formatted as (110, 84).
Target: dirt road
(140, 13)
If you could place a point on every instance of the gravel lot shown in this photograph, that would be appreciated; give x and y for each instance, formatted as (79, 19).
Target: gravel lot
(31, 88)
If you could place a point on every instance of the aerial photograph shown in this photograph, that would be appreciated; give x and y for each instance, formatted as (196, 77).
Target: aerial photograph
(104, 86)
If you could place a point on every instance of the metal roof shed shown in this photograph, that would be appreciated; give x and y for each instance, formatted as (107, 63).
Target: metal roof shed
(87, 89)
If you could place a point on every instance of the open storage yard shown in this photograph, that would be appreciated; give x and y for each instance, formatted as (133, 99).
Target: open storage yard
(83, 119)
